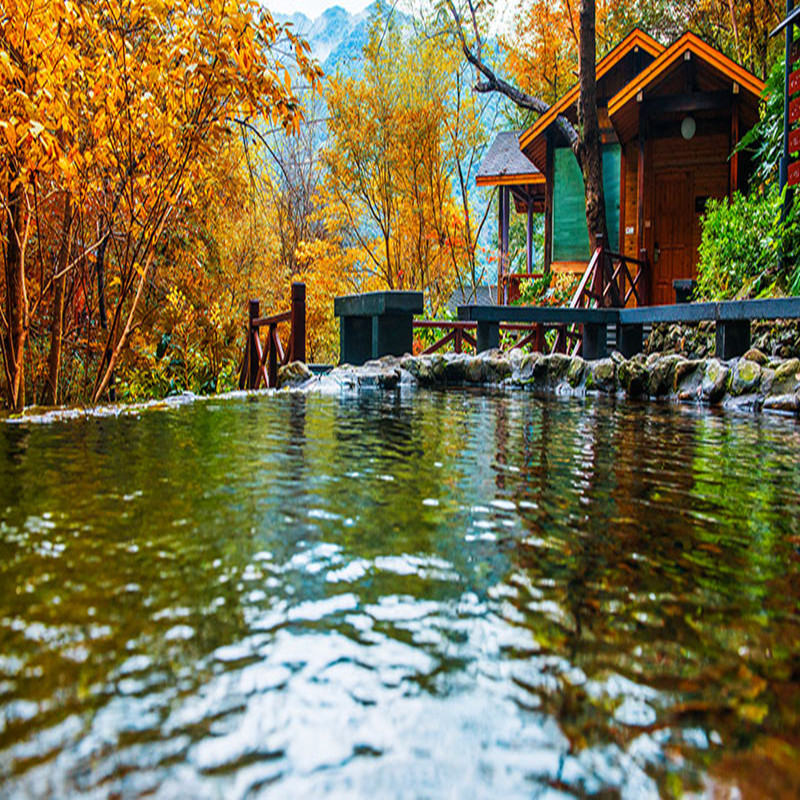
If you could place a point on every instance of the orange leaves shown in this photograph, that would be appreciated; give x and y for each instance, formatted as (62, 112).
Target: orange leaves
(541, 51)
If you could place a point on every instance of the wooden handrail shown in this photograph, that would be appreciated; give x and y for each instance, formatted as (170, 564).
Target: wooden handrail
(260, 322)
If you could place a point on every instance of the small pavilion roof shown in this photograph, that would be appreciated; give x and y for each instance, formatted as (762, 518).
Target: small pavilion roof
(506, 165)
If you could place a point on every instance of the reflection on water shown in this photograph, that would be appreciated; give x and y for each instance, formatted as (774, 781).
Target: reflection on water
(440, 595)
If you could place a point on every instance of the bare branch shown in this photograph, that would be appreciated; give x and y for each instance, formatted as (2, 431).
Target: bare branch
(492, 83)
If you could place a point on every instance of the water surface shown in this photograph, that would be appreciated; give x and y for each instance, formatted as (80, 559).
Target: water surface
(455, 595)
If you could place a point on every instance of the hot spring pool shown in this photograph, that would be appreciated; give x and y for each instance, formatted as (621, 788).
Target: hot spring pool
(431, 595)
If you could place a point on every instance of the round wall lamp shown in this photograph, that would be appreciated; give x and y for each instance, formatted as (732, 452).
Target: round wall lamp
(688, 128)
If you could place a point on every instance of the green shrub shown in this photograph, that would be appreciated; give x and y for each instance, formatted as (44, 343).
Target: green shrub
(739, 246)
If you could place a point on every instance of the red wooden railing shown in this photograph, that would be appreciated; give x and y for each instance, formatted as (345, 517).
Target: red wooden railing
(262, 362)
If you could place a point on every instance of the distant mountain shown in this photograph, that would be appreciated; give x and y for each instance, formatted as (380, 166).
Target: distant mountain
(336, 36)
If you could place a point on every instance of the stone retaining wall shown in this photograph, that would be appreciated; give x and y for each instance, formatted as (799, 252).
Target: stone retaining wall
(752, 383)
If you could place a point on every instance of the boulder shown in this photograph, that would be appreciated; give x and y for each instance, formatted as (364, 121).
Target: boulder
(746, 377)
(661, 377)
(787, 378)
(617, 357)
(688, 379)
(557, 367)
(515, 357)
(789, 402)
(754, 354)
(525, 370)
(576, 371)
(601, 376)
(715, 381)
(474, 371)
(455, 367)
(745, 403)
(633, 378)
(496, 366)
(295, 373)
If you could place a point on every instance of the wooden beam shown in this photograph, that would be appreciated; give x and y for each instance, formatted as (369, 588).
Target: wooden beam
(686, 103)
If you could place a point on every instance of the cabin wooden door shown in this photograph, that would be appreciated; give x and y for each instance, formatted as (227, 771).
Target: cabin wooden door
(673, 218)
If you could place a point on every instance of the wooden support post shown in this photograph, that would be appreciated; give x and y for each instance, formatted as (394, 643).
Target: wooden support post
(457, 342)
(548, 202)
(297, 346)
(499, 245)
(561, 340)
(594, 340)
(529, 237)
(644, 281)
(733, 183)
(640, 241)
(488, 336)
(272, 357)
(506, 192)
(251, 356)
(732, 338)
(630, 339)
(598, 283)
(623, 168)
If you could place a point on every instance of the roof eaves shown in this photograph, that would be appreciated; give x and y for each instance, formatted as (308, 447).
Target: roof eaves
(688, 42)
(636, 38)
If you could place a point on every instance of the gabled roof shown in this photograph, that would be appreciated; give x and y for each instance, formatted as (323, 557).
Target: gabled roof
(506, 165)
(689, 42)
(636, 38)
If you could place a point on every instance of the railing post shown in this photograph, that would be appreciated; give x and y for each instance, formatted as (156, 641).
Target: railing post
(641, 285)
(598, 284)
(272, 358)
(251, 355)
(297, 347)
(458, 340)
(539, 341)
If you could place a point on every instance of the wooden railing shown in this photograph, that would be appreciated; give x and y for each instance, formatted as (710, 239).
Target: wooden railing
(612, 279)
(461, 333)
(510, 286)
(262, 362)
(609, 281)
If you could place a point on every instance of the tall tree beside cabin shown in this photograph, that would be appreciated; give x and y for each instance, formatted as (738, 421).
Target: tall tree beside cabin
(588, 147)
(585, 141)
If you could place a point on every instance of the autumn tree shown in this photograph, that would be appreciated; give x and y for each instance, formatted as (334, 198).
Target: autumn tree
(118, 108)
(400, 150)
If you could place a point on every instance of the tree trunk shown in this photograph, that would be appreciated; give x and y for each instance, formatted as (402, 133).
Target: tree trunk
(100, 269)
(56, 332)
(16, 303)
(589, 149)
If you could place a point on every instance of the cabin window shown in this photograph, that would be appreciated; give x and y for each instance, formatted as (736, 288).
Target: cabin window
(570, 239)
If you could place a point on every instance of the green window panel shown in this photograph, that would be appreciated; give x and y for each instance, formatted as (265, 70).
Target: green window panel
(570, 240)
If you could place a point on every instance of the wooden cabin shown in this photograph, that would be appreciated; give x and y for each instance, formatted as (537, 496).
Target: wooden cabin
(670, 119)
